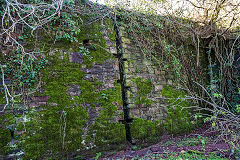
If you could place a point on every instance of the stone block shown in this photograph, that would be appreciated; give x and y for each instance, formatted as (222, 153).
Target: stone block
(126, 40)
(42, 103)
(162, 82)
(132, 105)
(109, 43)
(33, 104)
(108, 85)
(89, 77)
(144, 116)
(157, 72)
(74, 90)
(158, 87)
(132, 70)
(61, 55)
(76, 57)
(149, 117)
(169, 82)
(106, 38)
(84, 65)
(112, 50)
(40, 98)
(144, 109)
(53, 104)
(51, 53)
(108, 66)
(124, 45)
(135, 112)
(159, 116)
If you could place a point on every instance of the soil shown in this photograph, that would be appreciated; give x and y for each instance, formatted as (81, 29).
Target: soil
(169, 143)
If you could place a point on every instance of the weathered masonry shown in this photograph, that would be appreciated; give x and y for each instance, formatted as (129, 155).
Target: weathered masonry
(86, 90)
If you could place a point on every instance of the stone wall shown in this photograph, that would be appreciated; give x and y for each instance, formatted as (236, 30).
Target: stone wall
(87, 90)
(137, 66)
(142, 67)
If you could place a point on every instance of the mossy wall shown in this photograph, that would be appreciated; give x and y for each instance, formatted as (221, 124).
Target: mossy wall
(78, 103)
(83, 97)
(151, 86)
(146, 79)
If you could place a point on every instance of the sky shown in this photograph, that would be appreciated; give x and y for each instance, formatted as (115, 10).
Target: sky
(174, 4)
(183, 8)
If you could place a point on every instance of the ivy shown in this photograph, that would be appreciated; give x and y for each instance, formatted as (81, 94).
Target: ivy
(22, 71)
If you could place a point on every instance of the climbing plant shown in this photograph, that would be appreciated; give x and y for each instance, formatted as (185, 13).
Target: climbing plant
(200, 50)
(193, 51)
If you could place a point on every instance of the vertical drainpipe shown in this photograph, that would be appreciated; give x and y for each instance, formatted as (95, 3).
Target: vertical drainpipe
(127, 120)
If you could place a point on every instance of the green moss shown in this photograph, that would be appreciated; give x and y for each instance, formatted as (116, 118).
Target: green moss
(44, 136)
(94, 34)
(143, 129)
(4, 136)
(178, 120)
(56, 78)
(106, 130)
(144, 87)
(2, 98)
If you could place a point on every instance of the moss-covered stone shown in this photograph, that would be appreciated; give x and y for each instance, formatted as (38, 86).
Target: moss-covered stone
(179, 119)
(146, 130)
(144, 87)
(5, 136)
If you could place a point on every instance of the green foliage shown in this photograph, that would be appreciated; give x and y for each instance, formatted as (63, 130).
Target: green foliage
(146, 129)
(22, 70)
(85, 52)
(73, 31)
(235, 101)
(24, 74)
(178, 118)
(98, 155)
(172, 57)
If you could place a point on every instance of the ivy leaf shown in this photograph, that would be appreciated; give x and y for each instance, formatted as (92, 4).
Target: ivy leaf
(213, 124)
(217, 95)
